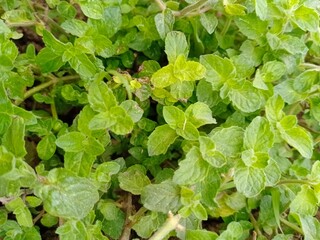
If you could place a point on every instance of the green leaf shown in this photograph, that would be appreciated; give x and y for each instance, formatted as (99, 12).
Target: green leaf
(305, 202)
(82, 65)
(164, 77)
(100, 97)
(5, 104)
(133, 109)
(175, 45)
(249, 181)
(233, 232)
(182, 90)
(13, 139)
(188, 70)
(72, 229)
(105, 170)
(75, 27)
(310, 226)
(71, 142)
(113, 18)
(66, 10)
(251, 26)
(296, 136)
(261, 7)
(20, 210)
(209, 153)
(258, 135)
(164, 22)
(246, 98)
(200, 235)
(124, 123)
(5, 122)
(67, 196)
(79, 163)
(235, 9)
(48, 60)
(222, 141)
(219, 70)
(54, 44)
(167, 136)
(306, 18)
(92, 10)
(148, 224)
(102, 120)
(134, 179)
(163, 197)
(274, 107)
(272, 172)
(46, 147)
(192, 169)
(199, 114)
(209, 21)
(305, 81)
(173, 116)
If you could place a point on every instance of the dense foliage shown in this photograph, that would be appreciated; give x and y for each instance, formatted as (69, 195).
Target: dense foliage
(125, 119)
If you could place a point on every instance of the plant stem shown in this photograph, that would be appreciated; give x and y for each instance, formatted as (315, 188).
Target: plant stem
(21, 24)
(36, 219)
(161, 4)
(226, 186)
(190, 8)
(291, 225)
(44, 85)
(171, 223)
(127, 228)
(226, 27)
(255, 224)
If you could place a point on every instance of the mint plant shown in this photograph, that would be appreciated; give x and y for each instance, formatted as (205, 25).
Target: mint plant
(135, 119)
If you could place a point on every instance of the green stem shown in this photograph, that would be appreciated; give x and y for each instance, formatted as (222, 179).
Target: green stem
(44, 85)
(54, 109)
(21, 24)
(294, 181)
(226, 27)
(226, 186)
(136, 217)
(291, 225)
(255, 224)
(171, 224)
(189, 9)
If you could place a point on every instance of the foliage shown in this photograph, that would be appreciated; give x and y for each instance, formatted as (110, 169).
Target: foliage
(132, 118)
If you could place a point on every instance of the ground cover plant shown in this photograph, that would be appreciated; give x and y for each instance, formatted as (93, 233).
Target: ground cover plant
(141, 119)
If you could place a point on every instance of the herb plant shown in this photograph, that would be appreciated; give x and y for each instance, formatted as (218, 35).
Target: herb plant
(141, 119)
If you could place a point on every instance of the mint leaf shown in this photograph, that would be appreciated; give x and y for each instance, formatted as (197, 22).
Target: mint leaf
(199, 114)
(167, 136)
(192, 169)
(306, 18)
(249, 181)
(174, 117)
(309, 200)
(66, 195)
(188, 70)
(134, 179)
(100, 97)
(296, 136)
(209, 153)
(175, 45)
(79, 163)
(164, 22)
(163, 197)
(46, 147)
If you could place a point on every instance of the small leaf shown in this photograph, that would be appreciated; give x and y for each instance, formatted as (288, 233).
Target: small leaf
(134, 179)
(192, 169)
(71, 142)
(188, 70)
(249, 181)
(261, 7)
(13, 139)
(167, 136)
(48, 60)
(133, 109)
(79, 163)
(258, 135)
(309, 200)
(72, 229)
(199, 114)
(21, 211)
(100, 97)
(200, 235)
(173, 116)
(67, 196)
(306, 18)
(164, 77)
(46, 147)
(310, 226)
(163, 197)
(209, 21)
(213, 157)
(164, 22)
(175, 45)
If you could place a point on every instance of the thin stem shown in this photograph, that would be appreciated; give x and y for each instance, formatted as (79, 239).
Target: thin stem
(294, 181)
(190, 8)
(226, 27)
(21, 24)
(54, 109)
(127, 228)
(291, 225)
(255, 224)
(36, 219)
(226, 186)
(171, 224)
(44, 85)
(136, 217)
(310, 66)
(161, 4)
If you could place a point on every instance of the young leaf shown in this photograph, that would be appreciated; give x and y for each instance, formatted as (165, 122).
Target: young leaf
(258, 135)
(7, 161)
(174, 116)
(310, 226)
(188, 70)
(209, 21)
(305, 202)
(79, 163)
(213, 157)
(134, 179)
(66, 195)
(46, 147)
(71, 142)
(22, 213)
(249, 181)
(296, 136)
(261, 7)
(71, 229)
(192, 169)
(175, 45)
(167, 136)
(100, 97)
(13, 139)
(164, 22)
(199, 114)
(163, 197)
(306, 18)
(164, 77)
